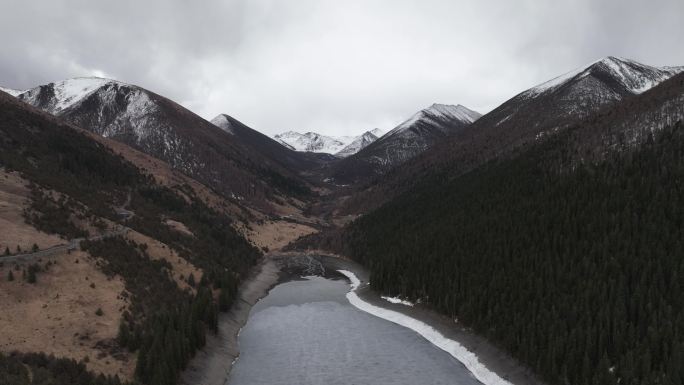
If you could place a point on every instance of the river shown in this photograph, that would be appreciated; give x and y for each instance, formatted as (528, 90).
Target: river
(305, 331)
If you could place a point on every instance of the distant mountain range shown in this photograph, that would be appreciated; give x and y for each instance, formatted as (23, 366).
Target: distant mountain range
(410, 138)
(521, 121)
(340, 146)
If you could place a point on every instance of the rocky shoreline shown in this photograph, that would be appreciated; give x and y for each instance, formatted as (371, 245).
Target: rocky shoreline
(212, 364)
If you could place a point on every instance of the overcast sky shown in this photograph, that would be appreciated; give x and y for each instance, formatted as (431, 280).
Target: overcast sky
(335, 67)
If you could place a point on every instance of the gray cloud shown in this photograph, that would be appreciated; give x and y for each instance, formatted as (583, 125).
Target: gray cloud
(337, 67)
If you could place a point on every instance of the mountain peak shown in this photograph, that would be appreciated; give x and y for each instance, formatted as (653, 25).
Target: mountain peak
(65, 93)
(456, 111)
(312, 142)
(358, 144)
(377, 132)
(633, 76)
(439, 113)
(12, 91)
(223, 122)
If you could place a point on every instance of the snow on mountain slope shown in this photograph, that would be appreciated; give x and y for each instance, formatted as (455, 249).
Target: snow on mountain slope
(377, 132)
(108, 107)
(222, 122)
(278, 152)
(418, 133)
(410, 138)
(578, 93)
(163, 129)
(58, 96)
(525, 119)
(11, 91)
(313, 142)
(438, 117)
(436, 114)
(361, 142)
(633, 76)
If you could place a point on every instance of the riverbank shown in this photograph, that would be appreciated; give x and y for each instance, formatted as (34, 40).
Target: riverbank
(494, 359)
(212, 364)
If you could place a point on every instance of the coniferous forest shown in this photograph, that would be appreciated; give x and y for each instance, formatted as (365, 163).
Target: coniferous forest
(41, 369)
(574, 268)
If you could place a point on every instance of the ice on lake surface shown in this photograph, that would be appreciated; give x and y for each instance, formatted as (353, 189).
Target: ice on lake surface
(306, 332)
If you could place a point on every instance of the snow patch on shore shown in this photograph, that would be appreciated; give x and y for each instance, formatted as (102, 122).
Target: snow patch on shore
(456, 350)
(397, 300)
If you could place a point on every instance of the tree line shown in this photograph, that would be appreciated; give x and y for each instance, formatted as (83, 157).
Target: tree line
(43, 369)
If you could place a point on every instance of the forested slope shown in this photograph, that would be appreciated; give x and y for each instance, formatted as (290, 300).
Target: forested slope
(76, 184)
(569, 255)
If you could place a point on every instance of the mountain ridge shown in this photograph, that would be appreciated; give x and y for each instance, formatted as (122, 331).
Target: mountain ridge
(162, 128)
(561, 225)
(520, 121)
(358, 144)
(408, 139)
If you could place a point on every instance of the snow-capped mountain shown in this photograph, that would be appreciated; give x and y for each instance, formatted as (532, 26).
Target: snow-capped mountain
(313, 142)
(269, 148)
(107, 107)
(580, 92)
(11, 91)
(377, 132)
(161, 128)
(408, 139)
(528, 116)
(340, 146)
(633, 77)
(437, 117)
(525, 119)
(56, 97)
(362, 141)
(564, 100)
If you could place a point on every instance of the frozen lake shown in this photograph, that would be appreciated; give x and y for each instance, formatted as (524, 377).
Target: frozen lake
(307, 332)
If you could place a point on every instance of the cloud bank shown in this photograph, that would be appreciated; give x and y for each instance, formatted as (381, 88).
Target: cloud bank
(336, 67)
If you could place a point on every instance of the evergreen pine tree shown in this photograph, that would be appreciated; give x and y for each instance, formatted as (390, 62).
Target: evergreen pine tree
(124, 334)
(31, 275)
(224, 299)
